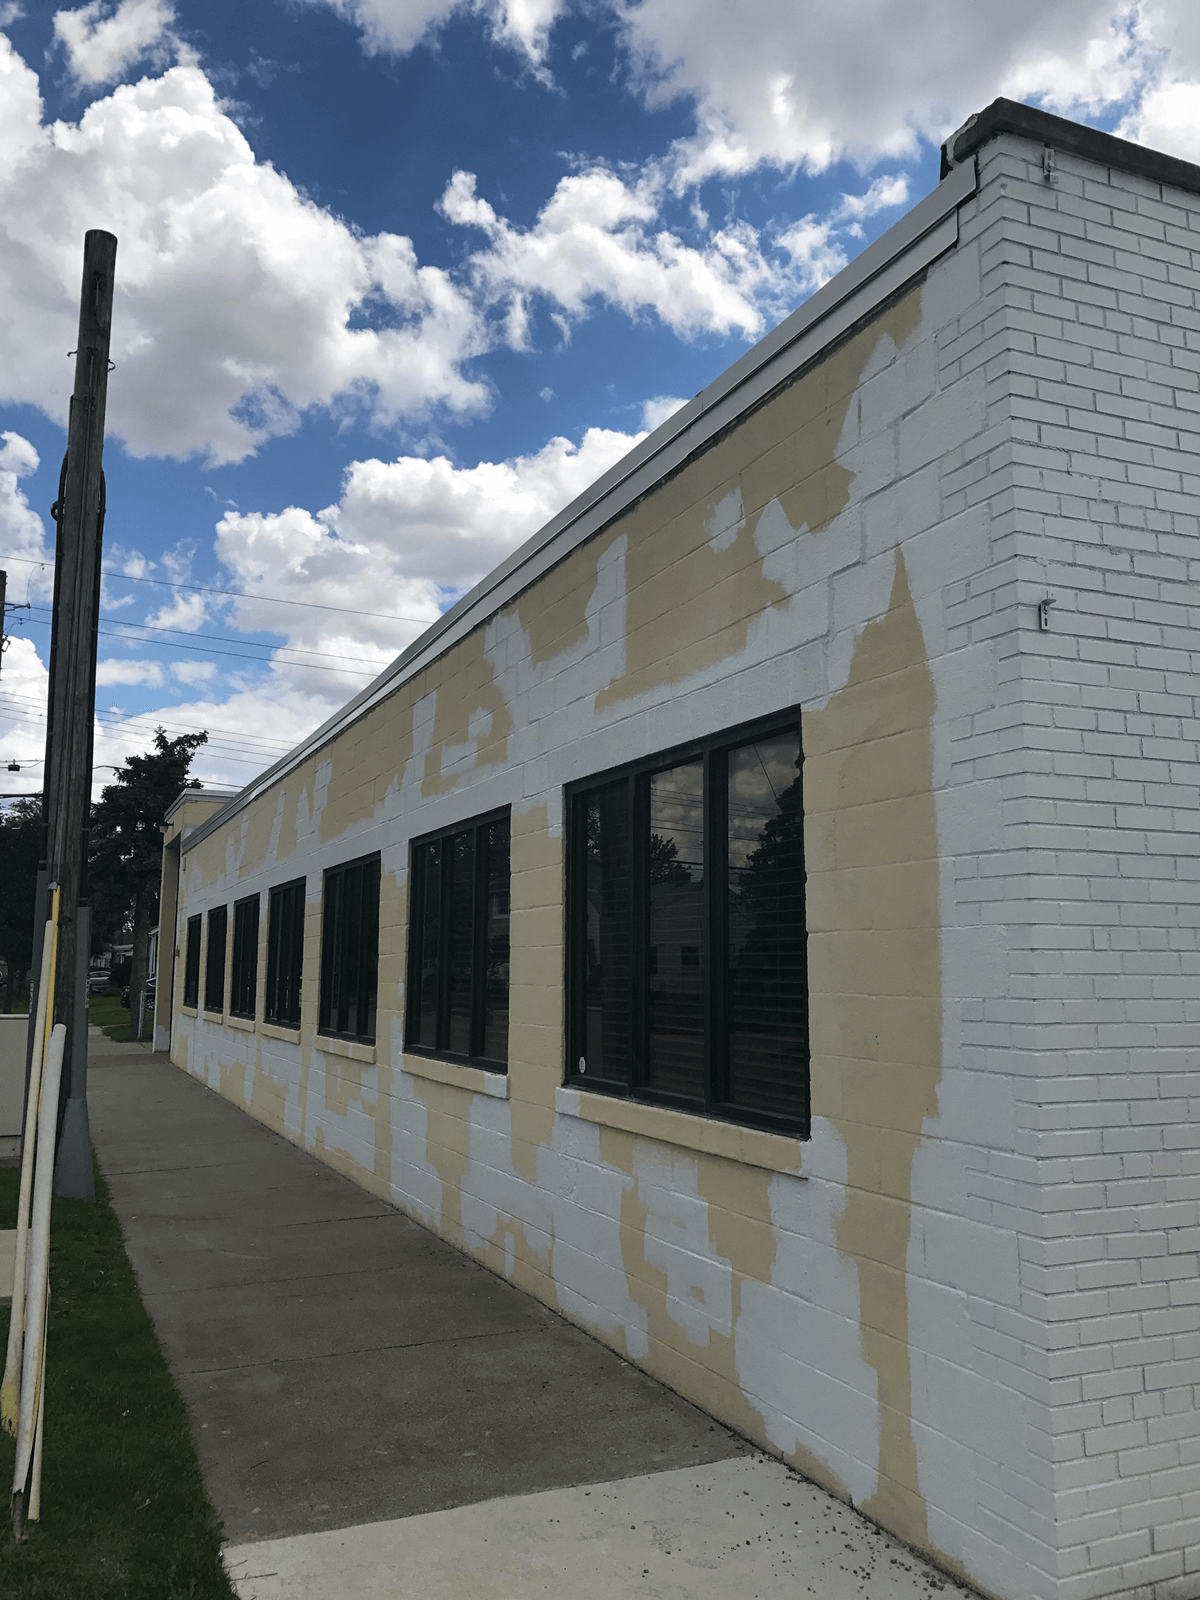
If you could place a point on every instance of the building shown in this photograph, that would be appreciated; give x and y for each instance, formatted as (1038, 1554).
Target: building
(760, 919)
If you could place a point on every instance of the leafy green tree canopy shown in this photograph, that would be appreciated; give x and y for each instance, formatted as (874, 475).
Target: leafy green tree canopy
(125, 860)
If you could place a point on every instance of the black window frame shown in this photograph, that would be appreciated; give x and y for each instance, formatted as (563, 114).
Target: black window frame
(338, 937)
(417, 862)
(713, 752)
(218, 919)
(289, 898)
(243, 977)
(191, 963)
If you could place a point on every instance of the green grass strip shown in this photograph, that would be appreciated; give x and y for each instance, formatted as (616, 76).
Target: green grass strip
(124, 1516)
(106, 1012)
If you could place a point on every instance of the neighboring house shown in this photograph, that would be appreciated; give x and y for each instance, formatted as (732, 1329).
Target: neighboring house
(857, 1099)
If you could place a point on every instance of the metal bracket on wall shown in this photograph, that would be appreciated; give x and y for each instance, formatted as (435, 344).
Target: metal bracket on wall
(1044, 613)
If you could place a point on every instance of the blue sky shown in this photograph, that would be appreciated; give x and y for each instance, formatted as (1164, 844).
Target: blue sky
(398, 278)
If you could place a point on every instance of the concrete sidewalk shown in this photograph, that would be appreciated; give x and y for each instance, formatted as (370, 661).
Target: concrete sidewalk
(377, 1415)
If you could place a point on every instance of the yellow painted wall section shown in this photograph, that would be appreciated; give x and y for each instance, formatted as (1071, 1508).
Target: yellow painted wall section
(369, 757)
(693, 572)
(467, 693)
(553, 611)
(875, 982)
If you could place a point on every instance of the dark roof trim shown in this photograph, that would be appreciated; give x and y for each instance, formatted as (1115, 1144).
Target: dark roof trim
(1027, 122)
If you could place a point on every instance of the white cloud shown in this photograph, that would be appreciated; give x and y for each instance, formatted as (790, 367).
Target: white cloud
(194, 671)
(10, 12)
(149, 673)
(24, 684)
(405, 538)
(1166, 115)
(185, 611)
(1168, 118)
(102, 43)
(860, 81)
(396, 27)
(656, 411)
(596, 239)
(22, 531)
(206, 278)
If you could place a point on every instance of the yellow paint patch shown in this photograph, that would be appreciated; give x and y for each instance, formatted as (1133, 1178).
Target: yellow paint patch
(365, 759)
(535, 1041)
(693, 572)
(466, 686)
(553, 612)
(875, 982)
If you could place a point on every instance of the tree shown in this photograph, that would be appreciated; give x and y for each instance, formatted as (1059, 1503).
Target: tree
(125, 861)
(20, 855)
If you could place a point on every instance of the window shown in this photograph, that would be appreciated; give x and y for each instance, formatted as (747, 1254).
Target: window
(458, 944)
(244, 983)
(214, 967)
(687, 945)
(191, 964)
(285, 954)
(350, 949)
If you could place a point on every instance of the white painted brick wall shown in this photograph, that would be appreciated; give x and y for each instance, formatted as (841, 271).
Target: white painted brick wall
(1100, 278)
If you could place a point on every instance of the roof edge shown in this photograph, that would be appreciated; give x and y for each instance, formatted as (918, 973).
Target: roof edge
(221, 796)
(1043, 127)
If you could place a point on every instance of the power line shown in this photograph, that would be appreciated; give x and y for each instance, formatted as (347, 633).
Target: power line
(261, 750)
(237, 655)
(239, 594)
(221, 753)
(248, 756)
(149, 716)
(220, 638)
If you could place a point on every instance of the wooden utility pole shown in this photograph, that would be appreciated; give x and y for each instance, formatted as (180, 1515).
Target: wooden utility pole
(79, 514)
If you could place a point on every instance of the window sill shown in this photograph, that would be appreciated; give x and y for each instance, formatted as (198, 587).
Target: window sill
(246, 1024)
(189, 1011)
(752, 1147)
(271, 1030)
(211, 1015)
(350, 1048)
(474, 1079)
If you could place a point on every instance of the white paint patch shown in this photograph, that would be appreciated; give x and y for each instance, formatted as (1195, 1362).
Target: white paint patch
(726, 521)
(321, 782)
(797, 1346)
(352, 1131)
(413, 1182)
(492, 1190)
(699, 1295)
(584, 1195)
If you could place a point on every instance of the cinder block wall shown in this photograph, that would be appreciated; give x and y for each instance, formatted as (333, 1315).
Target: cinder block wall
(945, 1307)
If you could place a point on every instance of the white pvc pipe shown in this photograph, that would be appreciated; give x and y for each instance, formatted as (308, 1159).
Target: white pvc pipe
(39, 1262)
(35, 1488)
(9, 1392)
